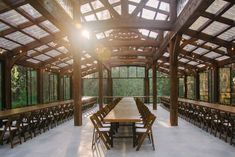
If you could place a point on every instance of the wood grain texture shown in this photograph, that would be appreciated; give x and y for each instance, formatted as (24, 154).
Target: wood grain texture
(17, 111)
(224, 108)
(125, 111)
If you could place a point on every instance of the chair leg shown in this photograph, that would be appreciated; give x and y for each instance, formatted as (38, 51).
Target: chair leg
(111, 138)
(152, 139)
(140, 141)
(93, 138)
(105, 142)
(11, 139)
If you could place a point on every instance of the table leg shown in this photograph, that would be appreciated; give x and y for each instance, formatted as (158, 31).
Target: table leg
(111, 134)
(134, 134)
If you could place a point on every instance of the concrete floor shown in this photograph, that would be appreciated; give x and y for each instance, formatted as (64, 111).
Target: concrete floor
(186, 140)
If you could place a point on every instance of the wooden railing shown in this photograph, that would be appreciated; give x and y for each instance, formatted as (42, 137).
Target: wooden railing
(214, 118)
(86, 101)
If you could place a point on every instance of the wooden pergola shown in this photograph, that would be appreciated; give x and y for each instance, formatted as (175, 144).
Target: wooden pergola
(177, 37)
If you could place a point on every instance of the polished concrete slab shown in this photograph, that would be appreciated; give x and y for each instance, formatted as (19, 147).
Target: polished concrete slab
(186, 140)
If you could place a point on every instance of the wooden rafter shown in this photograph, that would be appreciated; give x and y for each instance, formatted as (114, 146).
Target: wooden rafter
(191, 12)
(131, 23)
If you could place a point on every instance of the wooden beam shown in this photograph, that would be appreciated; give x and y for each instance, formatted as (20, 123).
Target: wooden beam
(188, 16)
(215, 85)
(140, 64)
(128, 23)
(218, 18)
(110, 8)
(206, 60)
(56, 14)
(120, 43)
(124, 8)
(77, 76)
(139, 7)
(174, 82)
(127, 60)
(173, 10)
(148, 53)
(7, 84)
(208, 38)
(77, 73)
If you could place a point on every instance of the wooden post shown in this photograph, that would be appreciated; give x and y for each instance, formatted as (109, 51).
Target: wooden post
(146, 85)
(60, 87)
(154, 86)
(174, 82)
(215, 85)
(110, 84)
(75, 40)
(100, 85)
(76, 80)
(197, 86)
(82, 86)
(40, 85)
(71, 87)
(185, 87)
(7, 84)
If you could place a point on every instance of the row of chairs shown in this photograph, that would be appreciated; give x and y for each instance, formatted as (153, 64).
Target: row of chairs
(219, 123)
(102, 131)
(144, 128)
(30, 124)
(216, 122)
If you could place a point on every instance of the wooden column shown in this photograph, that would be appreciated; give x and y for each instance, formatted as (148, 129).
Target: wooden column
(215, 85)
(77, 81)
(185, 87)
(154, 84)
(82, 87)
(77, 41)
(71, 87)
(197, 86)
(60, 87)
(40, 85)
(174, 82)
(100, 85)
(146, 85)
(110, 84)
(7, 84)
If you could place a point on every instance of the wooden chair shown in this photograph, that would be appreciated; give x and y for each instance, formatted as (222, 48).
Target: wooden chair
(35, 123)
(10, 131)
(45, 119)
(215, 122)
(145, 131)
(206, 121)
(100, 132)
(232, 129)
(25, 126)
(226, 126)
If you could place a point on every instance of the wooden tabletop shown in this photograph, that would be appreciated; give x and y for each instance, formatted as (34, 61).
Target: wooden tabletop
(17, 111)
(224, 108)
(125, 111)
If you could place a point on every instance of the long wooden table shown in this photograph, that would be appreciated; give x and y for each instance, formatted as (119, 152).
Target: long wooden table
(224, 108)
(125, 111)
(17, 111)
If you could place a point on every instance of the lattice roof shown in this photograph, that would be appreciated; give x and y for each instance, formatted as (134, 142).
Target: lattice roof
(132, 31)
